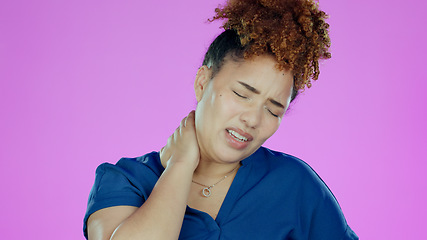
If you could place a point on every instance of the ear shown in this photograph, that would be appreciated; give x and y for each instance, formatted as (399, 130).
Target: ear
(202, 79)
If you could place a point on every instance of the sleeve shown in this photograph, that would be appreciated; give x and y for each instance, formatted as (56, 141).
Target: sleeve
(128, 183)
(321, 215)
(327, 221)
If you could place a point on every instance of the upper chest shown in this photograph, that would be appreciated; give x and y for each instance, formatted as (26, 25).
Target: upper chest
(209, 199)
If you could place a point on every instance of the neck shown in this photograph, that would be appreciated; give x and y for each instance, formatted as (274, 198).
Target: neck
(213, 170)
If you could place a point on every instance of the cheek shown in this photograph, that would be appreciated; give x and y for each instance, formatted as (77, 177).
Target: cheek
(204, 106)
(211, 112)
(226, 106)
(270, 126)
(274, 124)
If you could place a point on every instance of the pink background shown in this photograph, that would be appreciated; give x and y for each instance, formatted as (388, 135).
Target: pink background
(86, 82)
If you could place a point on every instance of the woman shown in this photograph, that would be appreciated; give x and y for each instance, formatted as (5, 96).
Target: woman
(213, 180)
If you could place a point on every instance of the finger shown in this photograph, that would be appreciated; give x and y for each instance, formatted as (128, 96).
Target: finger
(182, 125)
(176, 134)
(170, 139)
(161, 150)
(190, 118)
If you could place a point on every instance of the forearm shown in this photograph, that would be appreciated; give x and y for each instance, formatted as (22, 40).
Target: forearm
(161, 216)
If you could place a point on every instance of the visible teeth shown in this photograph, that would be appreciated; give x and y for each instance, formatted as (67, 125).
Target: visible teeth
(238, 136)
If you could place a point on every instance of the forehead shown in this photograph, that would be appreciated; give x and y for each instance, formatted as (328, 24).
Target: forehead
(258, 65)
(260, 72)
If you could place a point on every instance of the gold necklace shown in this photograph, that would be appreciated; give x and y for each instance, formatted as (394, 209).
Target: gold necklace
(206, 191)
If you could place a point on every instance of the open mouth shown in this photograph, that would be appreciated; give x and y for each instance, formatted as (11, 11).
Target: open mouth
(237, 136)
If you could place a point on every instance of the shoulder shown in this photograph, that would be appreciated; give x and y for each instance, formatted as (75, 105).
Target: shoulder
(129, 182)
(291, 172)
(299, 191)
(137, 174)
(282, 163)
(304, 189)
(148, 163)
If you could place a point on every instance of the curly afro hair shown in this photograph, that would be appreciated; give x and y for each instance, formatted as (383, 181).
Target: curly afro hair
(294, 31)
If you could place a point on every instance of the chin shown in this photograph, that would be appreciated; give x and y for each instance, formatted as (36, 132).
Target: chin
(231, 155)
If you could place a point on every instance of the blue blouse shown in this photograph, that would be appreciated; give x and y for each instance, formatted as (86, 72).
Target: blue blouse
(273, 196)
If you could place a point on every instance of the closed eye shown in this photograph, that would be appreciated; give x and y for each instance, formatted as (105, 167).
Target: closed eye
(239, 95)
(275, 115)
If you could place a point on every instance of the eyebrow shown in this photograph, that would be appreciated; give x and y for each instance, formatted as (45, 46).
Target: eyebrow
(256, 91)
(249, 87)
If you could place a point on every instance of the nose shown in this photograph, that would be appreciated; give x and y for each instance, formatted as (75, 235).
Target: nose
(252, 117)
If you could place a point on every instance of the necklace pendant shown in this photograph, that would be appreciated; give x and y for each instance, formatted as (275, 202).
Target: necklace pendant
(206, 192)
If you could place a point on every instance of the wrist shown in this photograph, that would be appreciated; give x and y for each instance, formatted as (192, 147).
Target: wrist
(182, 163)
(181, 166)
